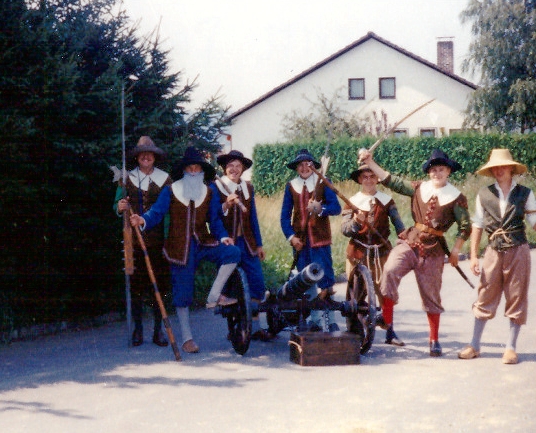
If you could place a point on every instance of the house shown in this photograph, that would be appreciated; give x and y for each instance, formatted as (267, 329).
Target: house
(374, 75)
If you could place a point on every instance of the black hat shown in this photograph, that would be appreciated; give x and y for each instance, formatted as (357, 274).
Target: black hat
(303, 155)
(438, 157)
(145, 144)
(224, 159)
(193, 156)
(354, 175)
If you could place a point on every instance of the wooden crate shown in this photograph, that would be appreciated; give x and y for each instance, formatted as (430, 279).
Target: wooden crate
(323, 348)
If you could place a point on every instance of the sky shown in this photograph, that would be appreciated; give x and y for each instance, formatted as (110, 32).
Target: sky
(240, 49)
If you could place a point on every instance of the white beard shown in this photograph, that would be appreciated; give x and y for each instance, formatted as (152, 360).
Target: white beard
(193, 185)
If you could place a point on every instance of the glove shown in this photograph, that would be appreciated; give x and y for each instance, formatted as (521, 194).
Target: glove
(314, 207)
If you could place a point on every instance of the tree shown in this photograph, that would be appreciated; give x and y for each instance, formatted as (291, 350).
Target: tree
(504, 50)
(326, 118)
(63, 64)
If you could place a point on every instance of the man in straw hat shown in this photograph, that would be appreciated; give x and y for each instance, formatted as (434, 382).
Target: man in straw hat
(192, 205)
(307, 206)
(144, 184)
(436, 205)
(500, 211)
(368, 230)
(242, 224)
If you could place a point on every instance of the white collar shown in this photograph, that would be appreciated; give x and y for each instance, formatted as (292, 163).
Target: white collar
(362, 201)
(445, 195)
(232, 186)
(298, 182)
(177, 188)
(141, 180)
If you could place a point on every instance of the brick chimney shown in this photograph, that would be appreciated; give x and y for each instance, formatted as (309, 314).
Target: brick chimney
(445, 55)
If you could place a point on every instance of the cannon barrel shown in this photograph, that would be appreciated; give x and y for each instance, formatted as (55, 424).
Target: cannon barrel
(296, 286)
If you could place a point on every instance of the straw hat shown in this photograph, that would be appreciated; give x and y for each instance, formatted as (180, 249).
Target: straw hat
(501, 158)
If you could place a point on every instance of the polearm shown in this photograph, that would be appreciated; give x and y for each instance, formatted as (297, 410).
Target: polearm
(243, 208)
(127, 228)
(348, 202)
(157, 295)
(390, 131)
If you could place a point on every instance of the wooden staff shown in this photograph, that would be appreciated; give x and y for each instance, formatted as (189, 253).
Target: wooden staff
(383, 137)
(348, 202)
(241, 205)
(165, 317)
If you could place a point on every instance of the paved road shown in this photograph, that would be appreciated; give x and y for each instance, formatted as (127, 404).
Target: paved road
(90, 381)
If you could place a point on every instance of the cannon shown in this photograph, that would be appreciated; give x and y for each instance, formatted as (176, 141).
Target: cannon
(288, 306)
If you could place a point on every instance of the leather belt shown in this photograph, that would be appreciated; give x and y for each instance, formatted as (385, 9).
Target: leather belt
(430, 230)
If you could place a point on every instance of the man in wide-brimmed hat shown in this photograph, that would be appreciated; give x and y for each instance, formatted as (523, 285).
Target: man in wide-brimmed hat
(368, 229)
(237, 198)
(436, 205)
(192, 205)
(500, 211)
(307, 206)
(143, 185)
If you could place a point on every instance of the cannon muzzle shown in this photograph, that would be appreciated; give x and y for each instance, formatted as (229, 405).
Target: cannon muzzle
(296, 286)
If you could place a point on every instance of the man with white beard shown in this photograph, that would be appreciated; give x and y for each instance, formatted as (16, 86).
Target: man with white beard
(191, 205)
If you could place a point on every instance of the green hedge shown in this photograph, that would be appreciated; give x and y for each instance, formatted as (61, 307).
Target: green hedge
(403, 156)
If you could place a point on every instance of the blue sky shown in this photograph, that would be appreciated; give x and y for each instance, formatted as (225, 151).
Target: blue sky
(242, 49)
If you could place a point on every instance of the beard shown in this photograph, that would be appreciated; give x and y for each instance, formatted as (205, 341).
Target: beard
(193, 185)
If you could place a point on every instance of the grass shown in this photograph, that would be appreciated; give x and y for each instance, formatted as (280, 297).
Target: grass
(279, 252)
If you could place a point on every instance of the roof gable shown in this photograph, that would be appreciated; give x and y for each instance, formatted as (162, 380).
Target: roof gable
(367, 37)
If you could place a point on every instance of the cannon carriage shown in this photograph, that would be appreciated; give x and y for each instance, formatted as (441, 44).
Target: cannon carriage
(289, 307)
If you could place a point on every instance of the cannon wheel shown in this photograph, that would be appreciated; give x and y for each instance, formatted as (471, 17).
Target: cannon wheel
(361, 289)
(239, 315)
(275, 319)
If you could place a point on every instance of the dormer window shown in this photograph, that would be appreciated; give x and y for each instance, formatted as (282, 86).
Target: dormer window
(356, 88)
(388, 88)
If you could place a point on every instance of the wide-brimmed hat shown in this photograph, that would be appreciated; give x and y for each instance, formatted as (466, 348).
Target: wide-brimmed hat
(438, 157)
(224, 159)
(501, 158)
(303, 155)
(194, 156)
(354, 175)
(145, 144)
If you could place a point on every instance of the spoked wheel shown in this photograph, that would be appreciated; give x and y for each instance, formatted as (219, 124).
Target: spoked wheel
(361, 289)
(239, 315)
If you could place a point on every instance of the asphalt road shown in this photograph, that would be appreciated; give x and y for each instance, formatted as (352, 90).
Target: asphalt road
(90, 381)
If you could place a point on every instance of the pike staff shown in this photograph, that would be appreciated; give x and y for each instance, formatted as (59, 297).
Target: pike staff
(157, 295)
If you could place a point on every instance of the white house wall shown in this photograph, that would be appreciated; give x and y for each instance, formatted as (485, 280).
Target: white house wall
(416, 83)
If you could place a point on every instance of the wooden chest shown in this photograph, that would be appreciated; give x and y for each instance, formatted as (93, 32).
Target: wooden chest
(323, 348)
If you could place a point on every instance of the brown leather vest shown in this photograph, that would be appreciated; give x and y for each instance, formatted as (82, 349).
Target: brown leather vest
(318, 229)
(187, 222)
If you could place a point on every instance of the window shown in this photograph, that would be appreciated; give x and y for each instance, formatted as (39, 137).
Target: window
(427, 132)
(400, 133)
(388, 88)
(356, 88)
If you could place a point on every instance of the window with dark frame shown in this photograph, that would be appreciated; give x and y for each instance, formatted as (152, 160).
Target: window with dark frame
(388, 88)
(397, 133)
(427, 132)
(356, 88)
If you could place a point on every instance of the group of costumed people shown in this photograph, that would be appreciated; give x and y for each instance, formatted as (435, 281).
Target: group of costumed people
(212, 218)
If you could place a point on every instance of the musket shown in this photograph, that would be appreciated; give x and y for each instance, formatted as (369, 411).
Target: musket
(390, 131)
(241, 205)
(349, 203)
(157, 295)
(127, 228)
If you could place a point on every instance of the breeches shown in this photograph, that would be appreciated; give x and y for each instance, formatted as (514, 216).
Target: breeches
(252, 267)
(183, 276)
(428, 273)
(507, 272)
(322, 256)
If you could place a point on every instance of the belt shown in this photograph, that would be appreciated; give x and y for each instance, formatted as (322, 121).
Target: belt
(426, 229)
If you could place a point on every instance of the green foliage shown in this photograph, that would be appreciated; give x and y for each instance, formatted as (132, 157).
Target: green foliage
(402, 156)
(503, 51)
(64, 64)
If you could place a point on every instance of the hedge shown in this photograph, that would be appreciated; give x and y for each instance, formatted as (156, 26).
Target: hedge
(403, 156)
